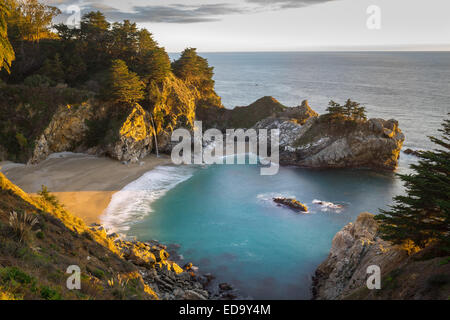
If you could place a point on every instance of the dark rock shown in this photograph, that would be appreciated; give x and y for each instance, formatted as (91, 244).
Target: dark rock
(292, 204)
(194, 295)
(225, 287)
(412, 152)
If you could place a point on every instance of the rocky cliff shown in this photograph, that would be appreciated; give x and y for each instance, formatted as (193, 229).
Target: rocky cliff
(135, 139)
(65, 132)
(88, 127)
(174, 106)
(247, 116)
(343, 274)
(327, 142)
(306, 139)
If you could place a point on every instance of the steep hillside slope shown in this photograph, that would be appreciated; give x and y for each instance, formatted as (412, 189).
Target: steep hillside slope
(33, 263)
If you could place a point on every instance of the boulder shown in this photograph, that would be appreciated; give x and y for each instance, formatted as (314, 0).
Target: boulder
(225, 287)
(292, 204)
(412, 152)
(194, 295)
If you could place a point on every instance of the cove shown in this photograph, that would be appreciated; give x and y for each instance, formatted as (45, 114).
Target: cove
(225, 221)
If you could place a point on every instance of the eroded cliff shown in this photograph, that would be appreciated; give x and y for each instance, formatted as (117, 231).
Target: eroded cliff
(405, 273)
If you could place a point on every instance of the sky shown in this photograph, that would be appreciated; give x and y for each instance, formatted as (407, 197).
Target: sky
(281, 25)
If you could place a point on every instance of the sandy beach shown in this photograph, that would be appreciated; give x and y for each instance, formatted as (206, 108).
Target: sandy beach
(83, 183)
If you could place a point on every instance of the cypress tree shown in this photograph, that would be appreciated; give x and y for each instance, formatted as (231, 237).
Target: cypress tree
(423, 213)
(124, 86)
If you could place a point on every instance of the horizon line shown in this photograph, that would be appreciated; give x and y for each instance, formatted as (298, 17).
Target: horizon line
(323, 51)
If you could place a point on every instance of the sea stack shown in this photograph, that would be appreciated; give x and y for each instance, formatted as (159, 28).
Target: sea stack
(292, 204)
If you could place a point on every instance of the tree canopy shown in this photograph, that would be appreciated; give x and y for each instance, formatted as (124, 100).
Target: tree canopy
(350, 110)
(124, 86)
(423, 213)
(30, 20)
(196, 71)
(193, 68)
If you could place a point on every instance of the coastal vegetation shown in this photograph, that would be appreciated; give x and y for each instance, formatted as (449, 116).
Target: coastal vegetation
(116, 65)
(350, 110)
(110, 88)
(6, 50)
(422, 215)
(39, 240)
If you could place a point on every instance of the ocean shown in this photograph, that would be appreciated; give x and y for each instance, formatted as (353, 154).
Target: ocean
(223, 218)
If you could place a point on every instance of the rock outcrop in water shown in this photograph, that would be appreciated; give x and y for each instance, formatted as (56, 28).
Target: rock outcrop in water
(292, 204)
(306, 139)
(413, 152)
(310, 140)
(327, 142)
(247, 116)
(343, 274)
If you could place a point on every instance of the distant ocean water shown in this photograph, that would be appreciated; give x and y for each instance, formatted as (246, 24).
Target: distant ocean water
(223, 216)
(412, 87)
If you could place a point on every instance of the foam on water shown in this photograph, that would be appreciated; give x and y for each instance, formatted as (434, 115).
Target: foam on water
(326, 205)
(133, 202)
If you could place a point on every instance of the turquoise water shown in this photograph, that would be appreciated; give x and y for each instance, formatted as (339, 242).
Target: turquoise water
(223, 216)
(226, 223)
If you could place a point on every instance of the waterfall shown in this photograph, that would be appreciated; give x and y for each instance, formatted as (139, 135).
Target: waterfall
(156, 140)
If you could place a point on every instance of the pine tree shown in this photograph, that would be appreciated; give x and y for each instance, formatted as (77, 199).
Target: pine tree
(153, 65)
(53, 69)
(423, 214)
(335, 108)
(351, 110)
(194, 69)
(124, 86)
(6, 51)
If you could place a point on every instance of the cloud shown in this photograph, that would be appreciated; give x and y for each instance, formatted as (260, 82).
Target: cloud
(286, 4)
(176, 13)
(183, 13)
(170, 13)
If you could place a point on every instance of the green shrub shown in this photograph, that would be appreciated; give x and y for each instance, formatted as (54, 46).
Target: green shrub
(21, 140)
(47, 196)
(98, 273)
(37, 80)
(22, 224)
(48, 293)
(40, 235)
(14, 274)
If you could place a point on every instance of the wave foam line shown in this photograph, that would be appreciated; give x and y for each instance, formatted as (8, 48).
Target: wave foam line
(133, 202)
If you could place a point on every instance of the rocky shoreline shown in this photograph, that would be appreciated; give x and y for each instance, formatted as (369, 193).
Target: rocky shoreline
(406, 274)
(159, 266)
(307, 139)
